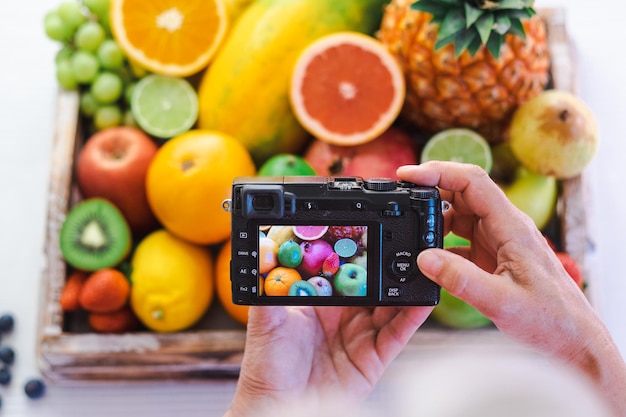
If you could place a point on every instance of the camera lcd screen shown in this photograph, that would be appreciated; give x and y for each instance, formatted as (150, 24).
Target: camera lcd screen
(313, 260)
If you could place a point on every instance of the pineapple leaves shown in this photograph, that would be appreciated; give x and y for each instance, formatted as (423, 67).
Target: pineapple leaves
(494, 44)
(464, 39)
(502, 24)
(514, 4)
(433, 7)
(470, 24)
(484, 26)
(453, 22)
(472, 14)
(517, 29)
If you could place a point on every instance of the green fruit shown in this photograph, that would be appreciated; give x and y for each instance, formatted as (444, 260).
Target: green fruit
(534, 194)
(290, 254)
(286, 164)
(451, 240)
(454, 312)
(94, 235)
(302, 288)
(246, 94)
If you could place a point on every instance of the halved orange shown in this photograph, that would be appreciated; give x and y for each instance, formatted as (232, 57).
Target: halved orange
(347, 88)
(169, 37)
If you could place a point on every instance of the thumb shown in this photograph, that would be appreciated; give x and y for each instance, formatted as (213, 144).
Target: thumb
(461, 277)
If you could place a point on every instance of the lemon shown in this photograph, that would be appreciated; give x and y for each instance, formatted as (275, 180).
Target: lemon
(172, 282)
(458, 145)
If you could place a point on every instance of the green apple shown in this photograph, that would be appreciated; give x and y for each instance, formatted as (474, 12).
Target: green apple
(554, 134)
(351, 280)
(456, 313)
(534, 194)
(285, 164)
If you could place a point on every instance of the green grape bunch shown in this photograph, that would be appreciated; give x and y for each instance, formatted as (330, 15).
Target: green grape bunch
(91, 61)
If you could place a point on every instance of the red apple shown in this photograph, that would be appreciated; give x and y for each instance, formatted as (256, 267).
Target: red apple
(112, 164)
(378, 158)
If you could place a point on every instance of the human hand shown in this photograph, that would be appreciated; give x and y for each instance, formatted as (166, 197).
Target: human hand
(511, 275)
(293, 351)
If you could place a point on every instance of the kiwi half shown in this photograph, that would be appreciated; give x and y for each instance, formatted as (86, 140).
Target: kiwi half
(302, 288)
(94, 235)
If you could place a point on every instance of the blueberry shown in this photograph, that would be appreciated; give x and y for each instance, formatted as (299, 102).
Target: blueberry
(7, 355)
(5, 375)
(6, 323)
(35, 388)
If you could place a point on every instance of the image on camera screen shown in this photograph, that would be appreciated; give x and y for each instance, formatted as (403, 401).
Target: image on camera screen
(313, 260)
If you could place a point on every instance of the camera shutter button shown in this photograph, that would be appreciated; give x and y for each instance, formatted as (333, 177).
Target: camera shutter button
(380, 184)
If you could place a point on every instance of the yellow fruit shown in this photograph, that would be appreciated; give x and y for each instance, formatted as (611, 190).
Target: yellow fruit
(245, 90)
(224, 288)
(169, 37)
(189, 178)
(172, 282)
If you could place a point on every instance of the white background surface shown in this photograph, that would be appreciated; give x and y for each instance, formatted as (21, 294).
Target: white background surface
(27, 99)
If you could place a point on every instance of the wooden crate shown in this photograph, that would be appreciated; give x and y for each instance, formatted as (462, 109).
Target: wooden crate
(214, 348)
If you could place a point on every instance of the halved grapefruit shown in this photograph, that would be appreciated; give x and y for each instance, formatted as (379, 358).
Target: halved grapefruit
(346, 88)
(310, 232)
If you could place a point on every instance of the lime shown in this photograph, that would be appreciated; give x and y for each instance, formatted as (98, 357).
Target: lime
(345, 247)
(286, 164)
(164, 106)
(458, 145)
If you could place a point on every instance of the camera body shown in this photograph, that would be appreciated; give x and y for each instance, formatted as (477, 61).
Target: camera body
(314, 240)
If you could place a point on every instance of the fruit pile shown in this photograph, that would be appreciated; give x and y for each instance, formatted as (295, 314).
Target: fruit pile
(183, 96)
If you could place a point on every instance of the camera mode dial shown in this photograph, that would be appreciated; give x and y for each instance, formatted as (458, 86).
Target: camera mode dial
(423, 193)
(380, 184)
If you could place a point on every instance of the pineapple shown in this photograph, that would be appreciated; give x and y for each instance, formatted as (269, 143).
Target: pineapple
(468, 63)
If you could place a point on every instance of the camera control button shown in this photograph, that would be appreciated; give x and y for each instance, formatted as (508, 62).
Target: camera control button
(430, 221)
(429, 237)
(380, 184)
(309, 205)
(393, 210)
(393, 292)
(402, 266)
(358, 205)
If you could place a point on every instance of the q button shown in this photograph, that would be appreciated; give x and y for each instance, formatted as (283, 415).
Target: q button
(358, 205)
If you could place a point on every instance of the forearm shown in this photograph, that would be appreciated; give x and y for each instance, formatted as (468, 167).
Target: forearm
(598, 358)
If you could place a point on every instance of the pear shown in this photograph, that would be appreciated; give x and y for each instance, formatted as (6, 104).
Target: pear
(534, 194)
(554, 134)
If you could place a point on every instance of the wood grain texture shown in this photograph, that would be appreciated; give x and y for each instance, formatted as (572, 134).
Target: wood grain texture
(77, 356)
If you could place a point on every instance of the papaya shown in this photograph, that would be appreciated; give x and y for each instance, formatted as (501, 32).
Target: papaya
(245, 91)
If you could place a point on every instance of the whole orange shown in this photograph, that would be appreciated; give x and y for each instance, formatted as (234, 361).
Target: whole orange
(279, 280)
(189, 178)
(224, 288)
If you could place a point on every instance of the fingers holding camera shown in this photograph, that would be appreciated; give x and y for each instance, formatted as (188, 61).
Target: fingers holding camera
(469, 189)
(466, 280)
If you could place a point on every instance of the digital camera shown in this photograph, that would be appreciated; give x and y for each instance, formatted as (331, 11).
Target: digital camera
(315, 240)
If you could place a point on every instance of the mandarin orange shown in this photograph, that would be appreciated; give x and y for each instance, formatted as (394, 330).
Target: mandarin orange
(279, 280)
